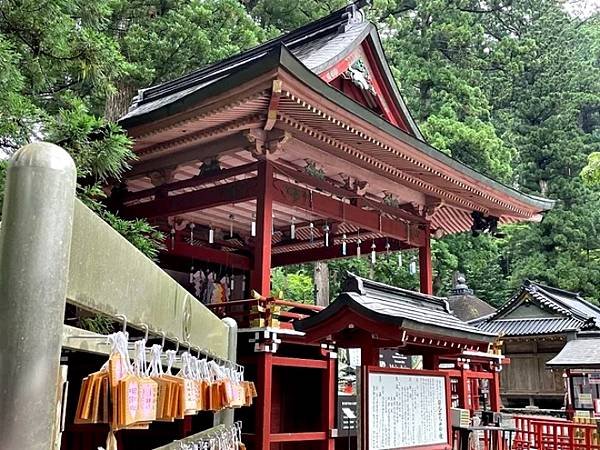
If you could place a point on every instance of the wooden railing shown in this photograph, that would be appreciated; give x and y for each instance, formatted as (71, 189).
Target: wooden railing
(265, 312)
(554, 434)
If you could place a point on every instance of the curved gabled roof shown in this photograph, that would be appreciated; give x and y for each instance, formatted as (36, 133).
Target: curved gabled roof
(169, 116)
(572, 312)
(319, 46)
(390, 304)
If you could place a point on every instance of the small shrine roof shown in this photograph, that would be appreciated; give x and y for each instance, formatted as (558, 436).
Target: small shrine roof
(559, 311)
(387, 304)
(580, 353)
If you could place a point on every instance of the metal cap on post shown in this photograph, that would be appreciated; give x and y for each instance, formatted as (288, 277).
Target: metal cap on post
(35, 241)
(225, 417)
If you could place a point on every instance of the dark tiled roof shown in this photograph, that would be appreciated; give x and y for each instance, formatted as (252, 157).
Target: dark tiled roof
(469, 307)
(573, 313)
(583, 352)
(529, 327)
(318, 45)
(391, 304)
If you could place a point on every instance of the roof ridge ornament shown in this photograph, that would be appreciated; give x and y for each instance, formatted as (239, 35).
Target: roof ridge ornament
(353, 14)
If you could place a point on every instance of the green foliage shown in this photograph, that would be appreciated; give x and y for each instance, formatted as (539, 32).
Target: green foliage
(287, 15)
(512, 89)
(295, 285)
(591, 172)
(67, 69)
(165, 39)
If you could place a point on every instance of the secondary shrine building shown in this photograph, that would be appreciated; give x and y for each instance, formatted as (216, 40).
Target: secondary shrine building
(302, 149)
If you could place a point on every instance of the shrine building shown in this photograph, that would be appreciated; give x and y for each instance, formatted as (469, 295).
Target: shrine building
(300, 150)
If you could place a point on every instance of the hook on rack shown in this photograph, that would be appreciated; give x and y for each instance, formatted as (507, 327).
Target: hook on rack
(146, 331)
(123, 318)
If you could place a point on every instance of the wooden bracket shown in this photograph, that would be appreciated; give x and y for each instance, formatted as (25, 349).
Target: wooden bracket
(267, 144)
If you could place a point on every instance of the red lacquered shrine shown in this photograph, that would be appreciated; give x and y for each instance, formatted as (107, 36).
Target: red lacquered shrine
(298, 150)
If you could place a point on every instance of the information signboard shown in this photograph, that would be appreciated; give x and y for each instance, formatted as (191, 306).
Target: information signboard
(406, 408)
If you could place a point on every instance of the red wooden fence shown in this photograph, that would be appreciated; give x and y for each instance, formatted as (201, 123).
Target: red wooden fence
(554, 434)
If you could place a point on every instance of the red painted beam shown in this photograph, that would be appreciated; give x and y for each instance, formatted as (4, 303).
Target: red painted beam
(298, 437)
(333, 252)
(329, 186)
(333, 209)
(299, 362)
(198, 180)
(236, 191)
(260, 279)
(210, 255)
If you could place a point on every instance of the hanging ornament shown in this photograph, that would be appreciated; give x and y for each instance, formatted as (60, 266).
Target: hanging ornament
(192, 226)
(172, 238)
(293, 228)
(412, 267)
(312, 231)
(344, 244)
(373, 253)
(231, 283)
(211, 235)
(192, 274)
(399, 259)
(387, 247)
(272, 223)
(231, 218)
(326, 234)
(358, 242)
(253, 226)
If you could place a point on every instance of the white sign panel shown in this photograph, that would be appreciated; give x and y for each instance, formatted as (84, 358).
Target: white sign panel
(406, 410)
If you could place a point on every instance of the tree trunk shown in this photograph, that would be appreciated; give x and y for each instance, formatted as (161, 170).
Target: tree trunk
(321, 275)
(117, 103)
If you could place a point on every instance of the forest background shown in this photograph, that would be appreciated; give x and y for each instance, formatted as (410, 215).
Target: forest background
(510, 87)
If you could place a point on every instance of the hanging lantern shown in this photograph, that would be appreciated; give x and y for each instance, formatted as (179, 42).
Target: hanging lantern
(293, 228)
(344, 245)
(272, 223)
(231, 218)
(373, 253)
(253, 226)
(192, 226)
(231, 283)
(358, 248)
(387, 247)
(326, 234)
(312, 231)
(172, 238)
(399, 259)
(192, 274)
(211, 235)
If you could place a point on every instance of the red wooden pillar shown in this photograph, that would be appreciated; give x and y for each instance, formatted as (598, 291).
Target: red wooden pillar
(464, 400)
(261, 274)
(494, 387)
(425, 265)
(431, 361)
(329, 401)
(263, 403)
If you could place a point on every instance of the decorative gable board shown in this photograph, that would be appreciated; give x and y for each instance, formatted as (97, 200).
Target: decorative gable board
(529, 308)
(360, 76)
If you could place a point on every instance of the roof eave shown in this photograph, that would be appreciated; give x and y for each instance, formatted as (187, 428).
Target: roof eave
(294, 66)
